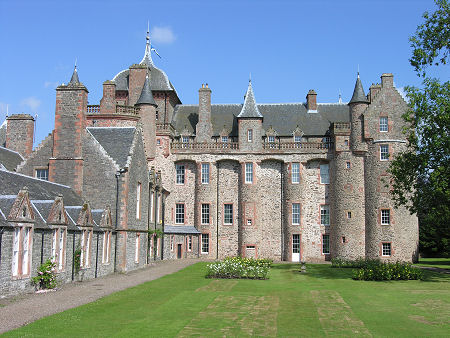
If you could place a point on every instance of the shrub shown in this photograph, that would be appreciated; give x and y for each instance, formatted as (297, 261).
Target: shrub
(46, 275)
(239, 267)
(357, 263)
(376, 270)
(77, 260)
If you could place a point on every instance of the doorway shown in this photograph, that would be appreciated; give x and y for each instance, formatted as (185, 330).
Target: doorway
(178, 251)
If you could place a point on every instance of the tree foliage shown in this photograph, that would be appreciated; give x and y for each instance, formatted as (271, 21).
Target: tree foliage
(421, 173)
(431, 42)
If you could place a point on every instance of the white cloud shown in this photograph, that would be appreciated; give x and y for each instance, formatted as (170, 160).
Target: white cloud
(50, 84)
(162, 35)
(32, 102)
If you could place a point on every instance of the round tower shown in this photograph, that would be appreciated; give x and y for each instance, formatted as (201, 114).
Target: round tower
(348, 201)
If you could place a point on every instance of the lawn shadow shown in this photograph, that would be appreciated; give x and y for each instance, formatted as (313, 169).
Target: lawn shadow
(436, 277)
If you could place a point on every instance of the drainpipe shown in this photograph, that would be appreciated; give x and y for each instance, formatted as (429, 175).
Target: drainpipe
(163, 206)
(281, 208)
(217, 214)
(1, 236)
(73, 257)
(42, 247)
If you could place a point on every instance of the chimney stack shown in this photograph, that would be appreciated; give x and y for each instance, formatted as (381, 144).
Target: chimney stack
(387, 80)
(311, 101)
(20, 133)
(204, 127)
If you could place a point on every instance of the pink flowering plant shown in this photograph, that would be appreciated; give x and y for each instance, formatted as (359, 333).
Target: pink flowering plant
(46, 275)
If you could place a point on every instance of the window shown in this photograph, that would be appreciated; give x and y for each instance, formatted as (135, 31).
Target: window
(205, 173)
(21, 252)
(297, 139)
(138, 200)
(324, 174)
(85, 258)
(325, 215)
(296, 243)
(249, 222)
(248, 172)
(385, 217)
(205, 243)
(295, 172)
(384, 124)
(348, 165)
(58, 247)
(346, 143)
(296, 213)
(326, 141)
(158, 210)
(106, 247)
(171, 243)
(326, 244)
(250, 135)
(349, 214)
(386, 249)
(185, 139)
(42, 174)
(225, 139)
(271, 140)
(344, 240)
(136, 251)
(228, 214)
(158, 142)
(180, 173)
(189, 243)
(156, 115)
(384, 152)
(205, 213)
(152, 203)
(179, 213)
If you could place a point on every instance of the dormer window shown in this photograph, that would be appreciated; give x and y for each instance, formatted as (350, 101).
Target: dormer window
(297, 139)
(24, 212)
(224, 139)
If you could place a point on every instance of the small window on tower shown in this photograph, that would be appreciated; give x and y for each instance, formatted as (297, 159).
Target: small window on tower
(156, 115)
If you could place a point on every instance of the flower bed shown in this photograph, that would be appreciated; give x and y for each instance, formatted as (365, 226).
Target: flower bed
(238, 267)
(387, 271)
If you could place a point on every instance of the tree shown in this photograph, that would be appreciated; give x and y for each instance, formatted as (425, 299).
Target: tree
(421, 173)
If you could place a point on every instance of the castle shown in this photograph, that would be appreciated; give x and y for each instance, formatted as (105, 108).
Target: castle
(145, 177)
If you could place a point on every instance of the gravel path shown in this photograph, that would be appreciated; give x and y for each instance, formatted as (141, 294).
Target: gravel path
(26, 309)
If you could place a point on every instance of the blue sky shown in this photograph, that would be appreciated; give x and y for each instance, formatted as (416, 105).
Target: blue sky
(288, 47)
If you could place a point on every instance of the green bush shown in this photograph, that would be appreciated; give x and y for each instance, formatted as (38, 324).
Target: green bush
(239, 267)
(387, 271)
(46, 275)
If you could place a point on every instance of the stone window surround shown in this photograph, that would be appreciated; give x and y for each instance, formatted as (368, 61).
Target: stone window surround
(184, 212)
(201, 213)
(35, 170)
(106, 251)
(56, 248)
(252, 205)
(291, 172)
(246, 245)
(86, 246)
(232, 213)
(323, 244)
(390, 247)
(320, 176)
(391, 216)
(322, 207)
(291, 205)
(247, 166)
(205, 179)
(137, 248)
(20, 275)
(208, 243)
(180, 177)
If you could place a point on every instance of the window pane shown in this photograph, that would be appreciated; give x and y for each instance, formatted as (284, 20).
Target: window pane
(205, 213)
(383, 124)
(26, 245)
(324, 174)
(384, 152)
(248, 172)
(205, 173)
(295, 173)
(385, 216)
(42, 174)
(205, 243)
(295, 243)
(325, 244)
(295, 213)
(179, 213)
(180, 173)
(324, 215)
(228, 214)
(15, 267)
(386, 249)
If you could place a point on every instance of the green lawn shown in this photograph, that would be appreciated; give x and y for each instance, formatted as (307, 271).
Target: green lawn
(324, 301)
(443, 263)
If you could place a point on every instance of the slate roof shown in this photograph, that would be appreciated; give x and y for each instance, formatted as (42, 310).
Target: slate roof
(9, 158)
(250, 108)
(146, 94)
(3, 134)
(180, 229)
(11, 183)
(116, 141)
(158, 80)
(74, 79)
(358, 92)
(283, 117)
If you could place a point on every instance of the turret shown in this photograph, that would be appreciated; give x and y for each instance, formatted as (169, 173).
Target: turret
(66, 163)
(204, 126)
(358, 104)
(250, 123)
(147, 112)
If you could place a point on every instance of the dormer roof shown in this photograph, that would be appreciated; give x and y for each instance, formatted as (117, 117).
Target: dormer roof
(250, 109)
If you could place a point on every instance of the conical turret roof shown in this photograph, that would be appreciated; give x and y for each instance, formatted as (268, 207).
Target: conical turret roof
(250, 109)
(358, 93)
(146, 94)
(74, 79)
